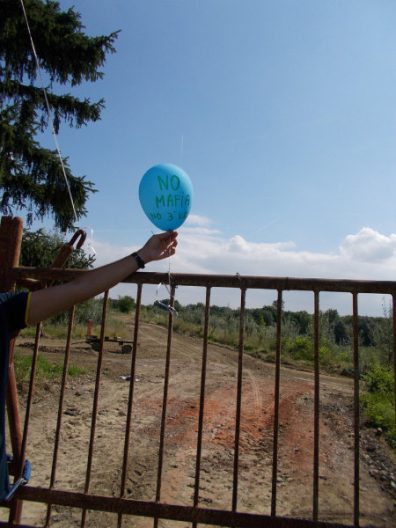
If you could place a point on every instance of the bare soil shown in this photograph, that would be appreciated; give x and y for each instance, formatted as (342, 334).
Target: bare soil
(295, 461)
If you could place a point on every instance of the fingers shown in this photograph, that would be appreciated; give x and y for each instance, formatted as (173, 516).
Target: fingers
(160, 246)
(170, 249)
(167, 239)
(167, 235)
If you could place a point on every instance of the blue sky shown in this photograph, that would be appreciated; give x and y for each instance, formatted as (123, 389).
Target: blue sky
(283, 113)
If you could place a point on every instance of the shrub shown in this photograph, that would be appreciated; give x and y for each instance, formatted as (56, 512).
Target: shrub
(301, 347)
(378, 400)
(90, 309)
(326, 356)
(125, 304)
(379, 379)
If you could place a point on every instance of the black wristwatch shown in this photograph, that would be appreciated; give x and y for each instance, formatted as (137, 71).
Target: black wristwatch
(139, 261)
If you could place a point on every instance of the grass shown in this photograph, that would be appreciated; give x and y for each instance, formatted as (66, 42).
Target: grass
(114, 327)
(56, 331)
(45, 369)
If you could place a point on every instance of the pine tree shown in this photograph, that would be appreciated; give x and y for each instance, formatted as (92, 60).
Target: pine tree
(31, 177)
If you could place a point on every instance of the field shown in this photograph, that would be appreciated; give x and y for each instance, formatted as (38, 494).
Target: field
(378, 496)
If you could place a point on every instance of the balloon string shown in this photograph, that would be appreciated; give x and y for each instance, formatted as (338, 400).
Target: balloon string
(172, 308)
(168, 288)
(181, 149)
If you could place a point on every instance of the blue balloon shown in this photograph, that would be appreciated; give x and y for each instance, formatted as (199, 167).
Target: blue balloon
(165, 194)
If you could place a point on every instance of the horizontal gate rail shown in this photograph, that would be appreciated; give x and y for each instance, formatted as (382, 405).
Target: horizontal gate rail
(224, 281)
(168, 511)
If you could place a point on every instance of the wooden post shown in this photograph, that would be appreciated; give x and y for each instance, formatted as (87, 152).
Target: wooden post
(89, 327)
(11, 230)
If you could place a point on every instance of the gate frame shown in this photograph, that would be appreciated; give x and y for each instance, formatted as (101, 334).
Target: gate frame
(11, 273)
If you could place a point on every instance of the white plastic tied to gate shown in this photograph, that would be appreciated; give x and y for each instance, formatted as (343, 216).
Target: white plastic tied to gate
(90, 250)
(168, 306)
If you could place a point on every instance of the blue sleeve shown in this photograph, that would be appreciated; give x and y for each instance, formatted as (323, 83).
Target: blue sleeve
(13, 308)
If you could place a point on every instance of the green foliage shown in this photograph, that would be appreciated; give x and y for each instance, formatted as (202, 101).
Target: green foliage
(327, 356)
(301, 348)
(378, 400)
(297, 332)
(379, 379)
(45, 370)
(30, 175)
(366, 331)
(124, 304)
(40, 248)
(341, 336)
(301, 320)
(91, 309)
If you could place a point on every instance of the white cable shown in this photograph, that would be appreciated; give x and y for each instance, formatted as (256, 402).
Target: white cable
(50, 115)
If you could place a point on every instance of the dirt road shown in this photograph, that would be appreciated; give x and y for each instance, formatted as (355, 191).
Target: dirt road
(255, 460)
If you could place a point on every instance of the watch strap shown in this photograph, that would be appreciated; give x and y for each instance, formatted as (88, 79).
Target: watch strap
(139, 261)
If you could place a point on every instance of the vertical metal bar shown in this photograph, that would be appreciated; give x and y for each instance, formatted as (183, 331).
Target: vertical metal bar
(394, 348)
(13, 407)
(202, 401)
(95, 404)
(130, 397)
(238, 402)
(14, 421)
(164, 402)
(315, 494)
(60, 409)
(276, 402)
(30, 395)
(356, 404)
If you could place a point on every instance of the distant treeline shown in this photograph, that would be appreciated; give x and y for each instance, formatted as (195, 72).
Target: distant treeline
(335, 329)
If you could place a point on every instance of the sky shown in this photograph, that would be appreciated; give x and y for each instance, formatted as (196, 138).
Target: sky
(282, 112)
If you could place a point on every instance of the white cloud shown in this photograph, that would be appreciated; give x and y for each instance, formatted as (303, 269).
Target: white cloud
(367, 254)
(369, 245)
(198, 220)
(106, 252)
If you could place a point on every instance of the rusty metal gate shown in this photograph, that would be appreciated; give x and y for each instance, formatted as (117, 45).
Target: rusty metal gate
(159, 510)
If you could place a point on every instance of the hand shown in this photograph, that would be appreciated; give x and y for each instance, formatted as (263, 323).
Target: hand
(159, 246)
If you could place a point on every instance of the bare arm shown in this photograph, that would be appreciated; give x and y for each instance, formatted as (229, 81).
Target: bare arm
(50, 301)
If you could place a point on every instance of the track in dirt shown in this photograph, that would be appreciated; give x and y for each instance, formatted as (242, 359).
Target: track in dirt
(295, 458)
